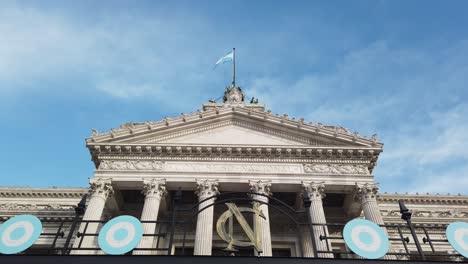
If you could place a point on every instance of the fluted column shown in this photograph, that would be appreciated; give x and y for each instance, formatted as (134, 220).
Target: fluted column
(367, 195)
(100, 190)
(315, 192)
(154, 190)
(204, 231)
(262, 187)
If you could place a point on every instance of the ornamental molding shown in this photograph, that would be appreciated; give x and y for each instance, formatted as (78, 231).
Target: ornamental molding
(336, 169)
(62, 193)
(130, 130)
(428, 213)
(349, 155)
(423, 199)
(36, 207)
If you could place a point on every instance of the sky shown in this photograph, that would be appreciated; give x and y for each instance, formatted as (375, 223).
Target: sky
(395, 68)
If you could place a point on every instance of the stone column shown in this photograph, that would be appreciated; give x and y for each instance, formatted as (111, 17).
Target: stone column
(154, 190)
(315, 192)
(262, 187)
(204, 231)
(367, 195)
(100, 190)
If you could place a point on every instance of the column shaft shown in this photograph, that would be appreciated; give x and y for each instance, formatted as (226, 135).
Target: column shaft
(154, 191)
(316, 193)
(204, 229)
(100, 190)
(366, 194)
(263, 187)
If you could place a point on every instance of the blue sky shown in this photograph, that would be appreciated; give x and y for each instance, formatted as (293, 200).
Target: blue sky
(395, 68)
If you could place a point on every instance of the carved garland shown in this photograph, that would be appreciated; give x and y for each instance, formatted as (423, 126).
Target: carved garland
(336, 169)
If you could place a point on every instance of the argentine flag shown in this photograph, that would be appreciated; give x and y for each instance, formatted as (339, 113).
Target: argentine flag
(226, 58)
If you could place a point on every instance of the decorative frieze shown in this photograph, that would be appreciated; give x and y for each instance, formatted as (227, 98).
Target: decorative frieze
(130, 165)
(336, 169)
(232, 167)
(428, 214)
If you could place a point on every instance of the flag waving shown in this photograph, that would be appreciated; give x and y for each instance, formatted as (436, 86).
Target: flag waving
(230, 56)
(226, 58)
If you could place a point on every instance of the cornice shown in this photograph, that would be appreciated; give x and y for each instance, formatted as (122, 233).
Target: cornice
(234, 153)
(15, 192)
(136, 129)
(424, 199)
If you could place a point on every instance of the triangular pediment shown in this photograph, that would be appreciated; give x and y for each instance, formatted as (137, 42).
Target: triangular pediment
(231, 127)
(231, 134)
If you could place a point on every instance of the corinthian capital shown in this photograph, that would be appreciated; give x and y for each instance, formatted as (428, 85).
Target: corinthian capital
(262, 187)
(315, 190)
(366, 191)
(154, 188)
(206, 188)
(101, 187)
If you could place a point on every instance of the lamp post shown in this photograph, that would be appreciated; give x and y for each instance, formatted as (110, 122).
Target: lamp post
(79, 212)
(406, 215)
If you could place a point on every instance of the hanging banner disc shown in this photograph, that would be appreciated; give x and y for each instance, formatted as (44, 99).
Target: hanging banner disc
(457, 235)
(366, 239)
(19, 233)
(120, 235)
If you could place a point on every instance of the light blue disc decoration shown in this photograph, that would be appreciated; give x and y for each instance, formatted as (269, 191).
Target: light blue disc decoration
(19, 233)
(120, 235)
(457, 235)
(366, 239)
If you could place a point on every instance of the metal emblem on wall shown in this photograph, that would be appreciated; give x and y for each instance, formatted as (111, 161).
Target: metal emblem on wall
(228, 218)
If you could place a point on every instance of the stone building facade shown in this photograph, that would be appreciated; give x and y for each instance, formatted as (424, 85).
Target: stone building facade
(233, 147)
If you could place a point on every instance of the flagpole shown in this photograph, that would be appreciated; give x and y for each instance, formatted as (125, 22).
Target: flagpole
(234, 67)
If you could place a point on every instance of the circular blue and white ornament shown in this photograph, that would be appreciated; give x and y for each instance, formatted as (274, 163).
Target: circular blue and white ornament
(457, 235)
(19, 233)
(366, 239)
(120, 235)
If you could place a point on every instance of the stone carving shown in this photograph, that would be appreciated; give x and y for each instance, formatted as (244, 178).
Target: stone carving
(130, 165)
(101, 187)
(154, 188)
(260, 187)
(366, 191)
(233, 95)
(335, 169)
(314, 190)
(206, 188)
(34, 207)
(232, 167)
